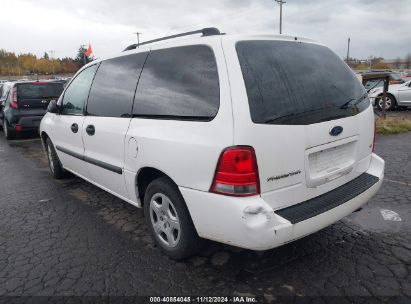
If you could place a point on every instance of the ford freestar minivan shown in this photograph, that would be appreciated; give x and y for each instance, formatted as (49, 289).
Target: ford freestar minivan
(252, 141)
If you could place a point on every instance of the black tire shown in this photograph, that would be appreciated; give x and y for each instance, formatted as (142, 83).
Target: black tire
(188, 242)
(55, 167)
(391, 103)
(8, 133)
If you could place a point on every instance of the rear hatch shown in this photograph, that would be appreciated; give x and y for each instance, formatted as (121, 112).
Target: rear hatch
(311, 121)
(37, 95)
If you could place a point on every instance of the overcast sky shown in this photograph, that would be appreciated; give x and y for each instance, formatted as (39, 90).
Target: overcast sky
(376, 27)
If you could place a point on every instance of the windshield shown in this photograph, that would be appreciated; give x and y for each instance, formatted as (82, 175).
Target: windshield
(39, 90)
(298, 83)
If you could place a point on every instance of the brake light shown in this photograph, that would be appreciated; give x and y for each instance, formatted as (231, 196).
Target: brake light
(375, 136)
(13, 100)
(18, 128)
(237, 172)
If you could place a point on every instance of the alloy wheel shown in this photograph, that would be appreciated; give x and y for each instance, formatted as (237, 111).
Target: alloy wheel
(388, 103)
(164, 220)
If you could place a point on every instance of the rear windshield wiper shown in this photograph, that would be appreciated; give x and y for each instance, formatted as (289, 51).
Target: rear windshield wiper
(353, 102)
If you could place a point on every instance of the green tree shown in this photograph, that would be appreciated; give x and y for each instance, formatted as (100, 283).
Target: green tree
(81, 58)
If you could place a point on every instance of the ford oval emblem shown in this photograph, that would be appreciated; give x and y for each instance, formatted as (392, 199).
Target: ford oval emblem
(337, 130)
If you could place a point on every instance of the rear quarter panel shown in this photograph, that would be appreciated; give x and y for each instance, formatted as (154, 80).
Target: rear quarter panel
(186, 151)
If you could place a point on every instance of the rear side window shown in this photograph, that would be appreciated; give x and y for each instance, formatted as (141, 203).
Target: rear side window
(5, 92)
(298, 83)
(76, 94)
(114, 85)
(39, 90)
(179, 83)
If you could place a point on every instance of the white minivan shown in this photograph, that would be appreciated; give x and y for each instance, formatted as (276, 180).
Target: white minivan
(249, 140)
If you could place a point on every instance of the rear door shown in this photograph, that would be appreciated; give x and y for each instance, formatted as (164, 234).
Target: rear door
(404, 94)
(304, 112)
(67, 126)
(108, 117)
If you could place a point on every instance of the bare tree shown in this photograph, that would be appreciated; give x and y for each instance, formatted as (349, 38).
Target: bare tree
(397, 63)
(408, 61)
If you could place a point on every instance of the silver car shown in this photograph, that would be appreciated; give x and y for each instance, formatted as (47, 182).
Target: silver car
(398, 95)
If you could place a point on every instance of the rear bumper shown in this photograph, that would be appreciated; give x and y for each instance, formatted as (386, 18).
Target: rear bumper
(251, 223)
(28, 123)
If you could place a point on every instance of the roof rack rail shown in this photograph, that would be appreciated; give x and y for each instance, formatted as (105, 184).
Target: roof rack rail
(208, 31)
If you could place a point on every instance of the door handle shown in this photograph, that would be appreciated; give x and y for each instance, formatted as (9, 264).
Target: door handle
(74, 128)
(90, 130)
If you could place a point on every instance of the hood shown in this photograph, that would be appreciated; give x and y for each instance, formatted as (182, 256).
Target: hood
(392, 87)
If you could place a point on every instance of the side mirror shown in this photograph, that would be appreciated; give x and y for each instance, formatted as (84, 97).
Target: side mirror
(53, 107)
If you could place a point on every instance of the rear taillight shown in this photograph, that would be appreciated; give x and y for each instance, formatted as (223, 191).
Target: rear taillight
(13, 100)
(18, 128)
(237, 172)
(375, 136)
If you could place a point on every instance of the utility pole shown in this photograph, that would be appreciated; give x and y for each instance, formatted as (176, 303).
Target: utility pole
(348, 50)
(8, 67)
(52, 63)
(281, 2)
(138, 38)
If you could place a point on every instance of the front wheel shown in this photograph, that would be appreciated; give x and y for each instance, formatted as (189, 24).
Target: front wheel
(389, 104)
(169, 220)
(56, 169)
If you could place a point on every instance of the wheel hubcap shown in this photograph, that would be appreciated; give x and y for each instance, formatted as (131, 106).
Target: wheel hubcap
(164, 220)
(387, 103)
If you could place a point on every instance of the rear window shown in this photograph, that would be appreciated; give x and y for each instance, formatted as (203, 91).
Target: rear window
(298, 83)
(39, 90)
(5, 91)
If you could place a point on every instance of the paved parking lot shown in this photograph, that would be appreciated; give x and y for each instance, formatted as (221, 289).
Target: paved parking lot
(71, 238)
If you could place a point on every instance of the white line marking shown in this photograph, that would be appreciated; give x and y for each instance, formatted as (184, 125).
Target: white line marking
(398, 182)
(45, 200)
(389, 215)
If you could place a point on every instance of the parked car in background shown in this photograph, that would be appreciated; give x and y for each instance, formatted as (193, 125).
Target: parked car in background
(221, 137)
(25, 105)
(395, 78)
(5, 88)
(406, 74)
(398, 95)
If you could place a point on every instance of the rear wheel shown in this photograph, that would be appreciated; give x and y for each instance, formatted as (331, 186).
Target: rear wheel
(389, 105)
(8, 133)
(56, 169)
(169, 220)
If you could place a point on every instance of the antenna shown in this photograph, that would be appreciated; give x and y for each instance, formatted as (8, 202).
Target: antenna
(138, 38)
(281, 2)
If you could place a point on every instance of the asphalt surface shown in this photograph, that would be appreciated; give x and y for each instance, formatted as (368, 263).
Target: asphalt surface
(69, 238)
